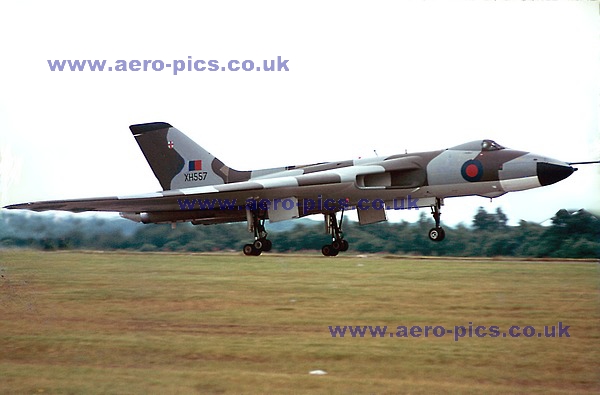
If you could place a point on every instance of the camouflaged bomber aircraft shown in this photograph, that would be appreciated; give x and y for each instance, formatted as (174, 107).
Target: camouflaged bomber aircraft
(199, 188)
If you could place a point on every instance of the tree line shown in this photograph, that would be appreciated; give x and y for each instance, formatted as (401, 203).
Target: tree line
(570, 235)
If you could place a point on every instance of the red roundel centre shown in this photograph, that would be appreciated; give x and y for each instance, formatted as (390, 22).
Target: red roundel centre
(472, 170)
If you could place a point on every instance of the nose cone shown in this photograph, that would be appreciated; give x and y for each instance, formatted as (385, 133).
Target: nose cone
(550, 173)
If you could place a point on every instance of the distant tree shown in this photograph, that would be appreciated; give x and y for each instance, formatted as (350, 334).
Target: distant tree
(501, 218)
(486, 221)
(528, 235)
(483, 220)
(572, 234)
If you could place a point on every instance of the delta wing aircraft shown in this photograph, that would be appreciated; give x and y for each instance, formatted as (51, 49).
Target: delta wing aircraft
(199, 188)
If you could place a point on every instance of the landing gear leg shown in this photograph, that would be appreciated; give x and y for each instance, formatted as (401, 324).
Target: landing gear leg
(257, 225)
(337, 236)
(437, 233)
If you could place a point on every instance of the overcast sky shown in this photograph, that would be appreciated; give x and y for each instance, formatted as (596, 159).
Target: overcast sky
(363, 76)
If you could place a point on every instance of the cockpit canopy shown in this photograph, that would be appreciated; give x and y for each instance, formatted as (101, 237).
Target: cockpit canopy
(479, 145)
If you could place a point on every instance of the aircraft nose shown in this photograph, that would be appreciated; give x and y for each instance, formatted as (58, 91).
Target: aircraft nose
(550, 173)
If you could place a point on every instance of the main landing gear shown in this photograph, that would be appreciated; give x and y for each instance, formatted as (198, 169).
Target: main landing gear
(261, 243)
(337, 236)
(437, 233)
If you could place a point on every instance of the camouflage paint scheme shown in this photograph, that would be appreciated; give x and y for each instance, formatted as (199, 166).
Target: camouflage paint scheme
(186, 170)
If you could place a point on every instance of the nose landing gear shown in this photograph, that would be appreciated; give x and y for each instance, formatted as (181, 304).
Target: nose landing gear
(437, 233)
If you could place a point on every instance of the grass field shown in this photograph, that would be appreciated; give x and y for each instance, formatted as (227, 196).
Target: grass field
(73, 322)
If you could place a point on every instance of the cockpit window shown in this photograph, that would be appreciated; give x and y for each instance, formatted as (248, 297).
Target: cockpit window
(490, 145)
(479, 145)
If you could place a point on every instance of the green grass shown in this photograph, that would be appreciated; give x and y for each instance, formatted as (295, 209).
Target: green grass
(73, 322)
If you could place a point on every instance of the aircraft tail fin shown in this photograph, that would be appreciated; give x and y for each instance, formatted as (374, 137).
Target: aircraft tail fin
(177, 161)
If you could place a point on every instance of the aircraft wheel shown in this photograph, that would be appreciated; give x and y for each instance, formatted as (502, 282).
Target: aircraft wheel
(437, 234)
(328, 250)
(267, 245)
(344, 245)
(258, 244)
(337, 245)
(248, 249)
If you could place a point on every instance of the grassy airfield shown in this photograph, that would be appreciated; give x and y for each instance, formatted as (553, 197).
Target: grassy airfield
(94, 323)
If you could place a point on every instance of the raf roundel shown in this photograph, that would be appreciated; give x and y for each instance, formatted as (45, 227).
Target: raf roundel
(472, 170)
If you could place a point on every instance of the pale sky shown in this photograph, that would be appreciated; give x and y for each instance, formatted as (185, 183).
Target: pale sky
(363, 76)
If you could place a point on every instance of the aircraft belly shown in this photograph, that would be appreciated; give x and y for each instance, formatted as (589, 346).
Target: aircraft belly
(520, 184)
(486, 188)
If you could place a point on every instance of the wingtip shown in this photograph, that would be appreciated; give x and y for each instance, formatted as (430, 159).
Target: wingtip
(11, 207)
(18, 206)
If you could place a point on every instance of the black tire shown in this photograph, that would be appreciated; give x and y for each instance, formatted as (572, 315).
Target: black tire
(248, 249)
(437, 234)
(329, 250)
(267, 245)
(344, 245)
(258, 244)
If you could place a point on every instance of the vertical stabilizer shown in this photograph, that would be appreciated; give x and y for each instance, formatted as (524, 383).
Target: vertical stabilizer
(177, 161)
